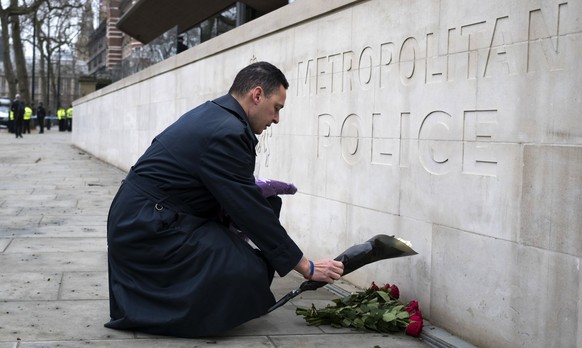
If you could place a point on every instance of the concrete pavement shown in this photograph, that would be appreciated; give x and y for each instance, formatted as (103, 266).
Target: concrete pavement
(54, 200)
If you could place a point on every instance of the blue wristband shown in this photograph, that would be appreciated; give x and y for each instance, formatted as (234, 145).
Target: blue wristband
(311, 269)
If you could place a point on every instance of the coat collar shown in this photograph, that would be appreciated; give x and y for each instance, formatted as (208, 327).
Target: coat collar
(228, 102)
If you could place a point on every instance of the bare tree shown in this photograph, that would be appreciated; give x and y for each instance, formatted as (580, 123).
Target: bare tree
(8, 68)
(20, 61)
(9, 17)
(17, 20)
(56, 26)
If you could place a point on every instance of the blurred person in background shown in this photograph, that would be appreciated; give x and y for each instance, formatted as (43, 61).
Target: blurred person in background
(17, 108)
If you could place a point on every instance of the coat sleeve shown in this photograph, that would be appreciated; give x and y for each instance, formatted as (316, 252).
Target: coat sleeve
(226, 169)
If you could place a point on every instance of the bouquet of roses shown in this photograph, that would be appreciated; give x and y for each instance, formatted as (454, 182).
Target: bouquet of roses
(376, 309)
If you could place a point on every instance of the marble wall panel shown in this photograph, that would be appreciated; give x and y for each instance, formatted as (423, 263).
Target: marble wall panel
(525, 298)
(318, 224)
(547, 313)
(552, 198)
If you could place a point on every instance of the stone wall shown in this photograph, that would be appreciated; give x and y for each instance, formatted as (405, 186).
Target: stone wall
(455, 125)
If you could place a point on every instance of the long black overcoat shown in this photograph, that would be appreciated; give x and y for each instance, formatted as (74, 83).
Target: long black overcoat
(174, 267)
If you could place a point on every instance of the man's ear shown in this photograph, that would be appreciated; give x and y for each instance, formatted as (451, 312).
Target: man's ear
(257, 94)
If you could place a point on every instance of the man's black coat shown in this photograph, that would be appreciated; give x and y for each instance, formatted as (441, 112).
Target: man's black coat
(175, 268)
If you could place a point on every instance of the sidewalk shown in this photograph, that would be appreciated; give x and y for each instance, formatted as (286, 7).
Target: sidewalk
(54, 200)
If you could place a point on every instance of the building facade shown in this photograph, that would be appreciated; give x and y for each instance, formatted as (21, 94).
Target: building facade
(105, 43)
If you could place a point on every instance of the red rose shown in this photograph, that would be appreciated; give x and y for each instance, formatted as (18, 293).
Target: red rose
(412, 307)
(374, 287)
(394, 292)
(414, 328)
(417, 313)
(386, 287)
(416, 317)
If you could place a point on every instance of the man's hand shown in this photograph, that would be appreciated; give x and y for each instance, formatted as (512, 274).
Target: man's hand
(324, 270)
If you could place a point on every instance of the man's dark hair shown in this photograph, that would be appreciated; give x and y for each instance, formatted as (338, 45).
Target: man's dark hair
(263, 74)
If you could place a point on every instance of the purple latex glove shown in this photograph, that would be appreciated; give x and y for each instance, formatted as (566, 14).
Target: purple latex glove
(274, 187)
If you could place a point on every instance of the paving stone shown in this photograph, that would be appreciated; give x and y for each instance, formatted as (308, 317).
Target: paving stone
(52, 245)
(281, 321)
(7, 211)
(347, 341)
(4, 243)
(68, 219)
(225, 342)
(18, 222)
(71, 231)
(47, 262)
(40, 211)
(84, 286)
(26, 200)
(25, 286)
(96, 204)
(56, 321)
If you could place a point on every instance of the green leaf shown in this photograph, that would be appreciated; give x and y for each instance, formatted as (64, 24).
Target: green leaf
(388, 317)
(384, 296)
(403, 315)
(399, 308)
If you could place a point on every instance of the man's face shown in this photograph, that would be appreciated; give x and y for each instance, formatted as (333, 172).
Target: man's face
(266, 110)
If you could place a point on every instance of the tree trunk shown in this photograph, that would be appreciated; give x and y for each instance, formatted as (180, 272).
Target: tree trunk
(42, 66)
(8, 70)
(20, 61)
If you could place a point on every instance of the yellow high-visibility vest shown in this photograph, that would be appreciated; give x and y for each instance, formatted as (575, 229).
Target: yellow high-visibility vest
(61, 114)
(70, 113)
(27, 113)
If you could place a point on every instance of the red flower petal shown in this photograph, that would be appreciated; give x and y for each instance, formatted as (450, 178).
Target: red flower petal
(412, 306)
(415, 318)
(394, 292)
(414, 328)
(374, 287)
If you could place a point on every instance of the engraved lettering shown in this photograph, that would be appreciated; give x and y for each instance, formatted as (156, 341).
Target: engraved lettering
(498, 58)
(479, 49)
(432, 142)
(347, 66)
(386, 57)
(263, 145)
(543, 48)
(455, 63)
(365, 67)
(405, 138)
(322, 78)
(324, 133)
(382, 146)
(441, 148)
(437, 141)
(436, 66)
(473, 34)
(334, 63)
(304, 77)
(407, 60)
(350, 138)
(479, 131)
